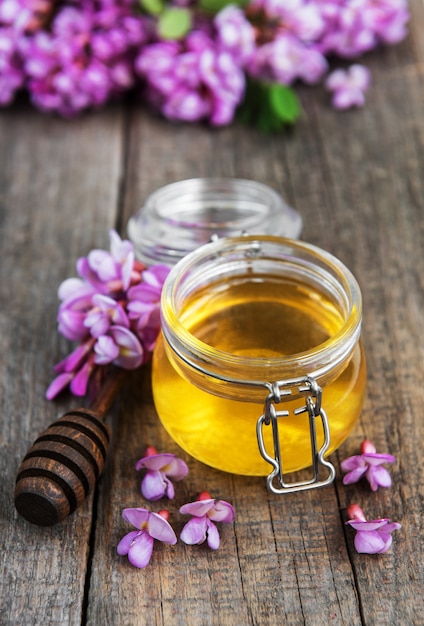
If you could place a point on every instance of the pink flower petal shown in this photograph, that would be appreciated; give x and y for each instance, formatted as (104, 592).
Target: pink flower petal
(194, 532)
(360, 76)
(378, 477)
(106, 350)
(102, 264)
(155, 461)
(378, 459)
(161, 530)
(72, 288)
(130, 350)
(112, 309)
(368, 526)
(156, 275)
(58, 384)
(123, 253)
(213, 536)
(141, 550)
(75, 359)
(71, 324)
(176, 469)
(391, 526)
(153, 485)
(138, 517)
(370, 543)
(199, 508)
(352, 463)
(125, 543)
(354, 476)
(98, 323)
(222, 512)
(79, 383)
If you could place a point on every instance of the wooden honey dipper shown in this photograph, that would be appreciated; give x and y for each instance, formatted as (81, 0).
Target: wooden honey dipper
(65, 461)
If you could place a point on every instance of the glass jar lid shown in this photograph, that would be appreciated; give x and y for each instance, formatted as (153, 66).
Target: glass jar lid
(178, 218)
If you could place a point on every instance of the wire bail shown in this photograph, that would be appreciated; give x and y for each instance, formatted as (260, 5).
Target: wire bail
(306, 386)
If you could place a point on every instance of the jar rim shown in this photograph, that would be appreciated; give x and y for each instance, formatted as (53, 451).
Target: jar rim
(316, 362)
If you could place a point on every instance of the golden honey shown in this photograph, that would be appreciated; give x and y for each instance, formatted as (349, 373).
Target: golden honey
(238, 315)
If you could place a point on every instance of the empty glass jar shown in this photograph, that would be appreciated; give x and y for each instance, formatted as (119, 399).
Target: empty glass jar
(179, 217)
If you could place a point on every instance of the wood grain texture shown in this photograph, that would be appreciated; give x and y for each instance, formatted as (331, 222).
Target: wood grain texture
(357, 180)
(59, 186)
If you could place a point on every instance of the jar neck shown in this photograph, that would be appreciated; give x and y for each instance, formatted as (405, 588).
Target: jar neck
(244, 377)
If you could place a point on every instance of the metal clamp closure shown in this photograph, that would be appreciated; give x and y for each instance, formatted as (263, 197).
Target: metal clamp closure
(308, 387)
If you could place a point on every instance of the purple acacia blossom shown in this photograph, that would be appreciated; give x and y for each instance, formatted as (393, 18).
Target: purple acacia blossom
(18, 18)
(144, 298)
(138, 544)
(205, 512)
(285, 60)
(285, 38)
(95, 311)
(161, 468)
(192, 80)
(109, 271)
(352, 28)
(389, 19)
(368, 464)
(298, 17)
(84, 58)
(12, 76)
(235, 34)
(349, 87)
(74, 55)
(373, 536)
(106, 311)
(120, 347)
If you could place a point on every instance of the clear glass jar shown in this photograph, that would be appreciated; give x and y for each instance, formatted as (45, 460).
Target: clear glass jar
(179, 217)
(241, 317)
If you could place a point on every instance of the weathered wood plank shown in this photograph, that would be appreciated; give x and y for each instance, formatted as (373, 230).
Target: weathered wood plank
(59, 183)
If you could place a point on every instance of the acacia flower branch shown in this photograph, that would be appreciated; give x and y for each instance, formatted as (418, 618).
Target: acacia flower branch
(189, 63)
(113, 310)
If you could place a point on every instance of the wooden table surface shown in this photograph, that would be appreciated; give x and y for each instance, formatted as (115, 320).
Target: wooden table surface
(357, 178)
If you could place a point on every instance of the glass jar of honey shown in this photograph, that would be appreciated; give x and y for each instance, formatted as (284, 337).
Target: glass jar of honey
(260, 361)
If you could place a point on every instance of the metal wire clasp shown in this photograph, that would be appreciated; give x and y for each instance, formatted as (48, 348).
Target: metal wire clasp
(308, 387)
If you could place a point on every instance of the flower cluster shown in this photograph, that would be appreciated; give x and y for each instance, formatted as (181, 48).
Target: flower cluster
(112, 310)
(205, 511)
(372, 536)
(192, 59)
(71, 55)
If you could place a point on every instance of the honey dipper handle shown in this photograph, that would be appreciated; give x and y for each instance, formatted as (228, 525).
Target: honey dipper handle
(108, 392)
(65, 461)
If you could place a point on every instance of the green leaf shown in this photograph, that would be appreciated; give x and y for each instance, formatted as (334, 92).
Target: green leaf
(154, 7)
(174, 23)
(214, 6)
(284, 102)
(269, 107)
